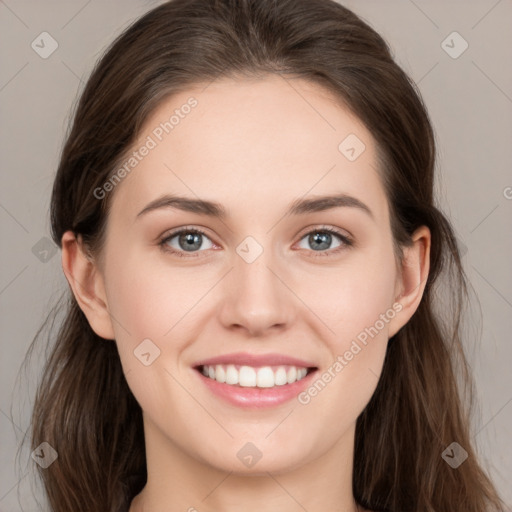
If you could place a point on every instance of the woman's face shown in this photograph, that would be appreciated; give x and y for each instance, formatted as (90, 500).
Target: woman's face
(265, 287)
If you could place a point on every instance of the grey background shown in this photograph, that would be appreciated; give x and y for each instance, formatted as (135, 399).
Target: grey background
(470, 102)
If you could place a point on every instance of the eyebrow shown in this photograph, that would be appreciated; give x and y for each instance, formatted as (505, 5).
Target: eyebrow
(216, 210)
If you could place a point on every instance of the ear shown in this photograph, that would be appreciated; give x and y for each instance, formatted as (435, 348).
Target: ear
(412, 279)
(87, 285)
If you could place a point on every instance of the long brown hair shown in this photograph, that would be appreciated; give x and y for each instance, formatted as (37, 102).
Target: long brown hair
(84, 408)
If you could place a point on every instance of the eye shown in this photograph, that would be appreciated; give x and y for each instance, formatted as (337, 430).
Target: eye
(185, 240)
(191, 240)
(320, 240)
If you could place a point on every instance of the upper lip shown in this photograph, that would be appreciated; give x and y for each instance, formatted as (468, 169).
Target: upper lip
(255, 360)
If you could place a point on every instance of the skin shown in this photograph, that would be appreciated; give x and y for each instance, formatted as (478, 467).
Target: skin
(254, 146)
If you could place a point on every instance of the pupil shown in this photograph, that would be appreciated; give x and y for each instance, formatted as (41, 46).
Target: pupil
(321, 238)
(191, 241)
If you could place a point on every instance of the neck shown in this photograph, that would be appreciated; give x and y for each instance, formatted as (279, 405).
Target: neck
(179, 481)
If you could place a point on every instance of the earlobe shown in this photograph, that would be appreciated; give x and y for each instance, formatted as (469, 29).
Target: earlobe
(413, 278)
(87, 285)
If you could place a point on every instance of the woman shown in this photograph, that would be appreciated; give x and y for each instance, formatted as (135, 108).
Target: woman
(245, 209)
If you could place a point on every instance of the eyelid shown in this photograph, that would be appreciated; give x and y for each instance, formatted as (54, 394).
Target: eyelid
(176, 231)
(343, 233)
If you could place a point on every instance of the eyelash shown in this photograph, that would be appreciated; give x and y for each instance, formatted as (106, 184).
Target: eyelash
(346, 241)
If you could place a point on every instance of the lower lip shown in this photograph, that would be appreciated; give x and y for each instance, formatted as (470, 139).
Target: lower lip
(256, 398)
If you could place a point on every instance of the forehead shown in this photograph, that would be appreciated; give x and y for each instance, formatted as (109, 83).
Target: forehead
(252, 144)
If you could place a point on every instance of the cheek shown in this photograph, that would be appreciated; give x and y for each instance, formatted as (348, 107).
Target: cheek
(148, 308)
(356, 304)
(147, 301)
(354, 296)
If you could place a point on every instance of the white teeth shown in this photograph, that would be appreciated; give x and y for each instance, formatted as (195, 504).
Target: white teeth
(292, 374)
(249, 377)
(280, 377)
(220, 374)
(231, 375)
(265, 377)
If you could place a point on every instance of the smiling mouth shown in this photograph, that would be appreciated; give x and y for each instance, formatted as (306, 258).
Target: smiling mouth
(254, 377)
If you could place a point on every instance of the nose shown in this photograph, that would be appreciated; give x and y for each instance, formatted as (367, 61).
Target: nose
(257, 298)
